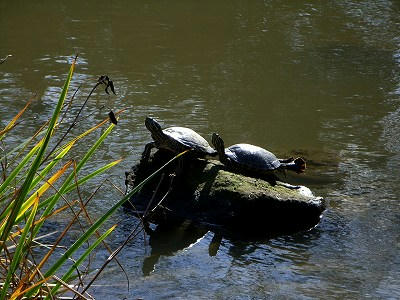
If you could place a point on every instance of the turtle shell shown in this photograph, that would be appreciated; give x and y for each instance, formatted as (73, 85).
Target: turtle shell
(252, 157)
(189, 138)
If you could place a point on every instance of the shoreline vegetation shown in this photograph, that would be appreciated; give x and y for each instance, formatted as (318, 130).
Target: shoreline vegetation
(34, 189)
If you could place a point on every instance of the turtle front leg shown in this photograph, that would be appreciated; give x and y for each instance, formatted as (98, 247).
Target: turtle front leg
(146, 152)
(286, 160)
(288, 186)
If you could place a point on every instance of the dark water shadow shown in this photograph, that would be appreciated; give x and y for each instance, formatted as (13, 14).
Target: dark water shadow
(167, 239)
(174, 232)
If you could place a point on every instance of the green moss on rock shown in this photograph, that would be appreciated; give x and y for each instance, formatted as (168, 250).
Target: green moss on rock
(208, 193)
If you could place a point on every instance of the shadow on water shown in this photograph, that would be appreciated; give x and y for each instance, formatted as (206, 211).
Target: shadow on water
(168, 239)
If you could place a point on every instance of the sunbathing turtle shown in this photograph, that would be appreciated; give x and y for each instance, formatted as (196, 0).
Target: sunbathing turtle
(254, 160)
(176, 140)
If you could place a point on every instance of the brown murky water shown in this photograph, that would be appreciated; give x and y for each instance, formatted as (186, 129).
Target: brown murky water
(318, 79)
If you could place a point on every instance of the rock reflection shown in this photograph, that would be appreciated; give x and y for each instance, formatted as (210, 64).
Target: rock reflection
(168, 239)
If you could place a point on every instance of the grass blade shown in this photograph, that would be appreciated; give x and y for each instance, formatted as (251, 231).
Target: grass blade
(28, 203)
(101, 220)
(67, 275)
(24, 144)
(51, 165)
(66, 183)
(82, 135)
(18, 291)
(45, 187)
(32, 171)
(11, 124)
(19, 251)
(71, 187)
(17, 169)
(58, 210)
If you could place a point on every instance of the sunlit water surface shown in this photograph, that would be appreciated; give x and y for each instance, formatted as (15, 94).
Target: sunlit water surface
(316, 79)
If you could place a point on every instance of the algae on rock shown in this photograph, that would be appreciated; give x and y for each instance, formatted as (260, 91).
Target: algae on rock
(207, 193)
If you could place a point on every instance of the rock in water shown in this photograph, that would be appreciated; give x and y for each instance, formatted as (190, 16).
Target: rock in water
(206, 193)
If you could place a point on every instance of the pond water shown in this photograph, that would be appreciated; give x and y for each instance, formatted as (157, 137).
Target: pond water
(316, 79)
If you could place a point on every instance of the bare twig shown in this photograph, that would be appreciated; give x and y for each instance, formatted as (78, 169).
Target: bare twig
(131, 236)
(115, 187)
(69, 104)
(172, 177)
(61, 236)
(91, 223)
(154, 195)
(2, 60)
(71, 288)
(112, 256)
(102, 80)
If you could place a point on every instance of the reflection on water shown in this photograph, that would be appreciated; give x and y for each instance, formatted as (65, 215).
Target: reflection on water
(316, 79)
(167, 240)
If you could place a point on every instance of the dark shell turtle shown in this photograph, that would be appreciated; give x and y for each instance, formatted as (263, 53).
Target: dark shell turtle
(253, 159)
(176, 140)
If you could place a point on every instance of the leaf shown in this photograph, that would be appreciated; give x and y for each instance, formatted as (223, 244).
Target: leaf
(45, 187)
(18, 168)
(19, 251)
(102, 219)
(23, 191)
(67, 181)
(11, 124)
(79, 261)
(17, 293)
(71, 187)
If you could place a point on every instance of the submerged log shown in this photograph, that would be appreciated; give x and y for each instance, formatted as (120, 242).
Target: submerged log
(206, 193)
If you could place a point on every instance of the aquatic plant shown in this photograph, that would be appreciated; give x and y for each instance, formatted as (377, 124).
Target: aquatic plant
(32, 192)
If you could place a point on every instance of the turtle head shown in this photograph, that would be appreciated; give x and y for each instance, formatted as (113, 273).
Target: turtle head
(218, 144)
(300, 165)
(154, 127)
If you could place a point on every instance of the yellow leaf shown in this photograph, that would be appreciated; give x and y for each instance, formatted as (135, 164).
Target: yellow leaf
(12, 122)
(44, 188)
(18, 291)
(57, 211)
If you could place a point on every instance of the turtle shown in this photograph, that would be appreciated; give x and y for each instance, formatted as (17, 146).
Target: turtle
(254, 160)
(176, 140)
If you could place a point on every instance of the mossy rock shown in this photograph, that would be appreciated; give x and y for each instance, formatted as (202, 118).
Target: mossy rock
(209, 194)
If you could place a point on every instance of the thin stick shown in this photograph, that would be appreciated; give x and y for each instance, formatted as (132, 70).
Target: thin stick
(2, 60)
(63, 234)
(154, 195)
(115, 253)
(91, 223)
(132, 235)
(70, 288)
(69, 104)
(166, 194)
(99, 82)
